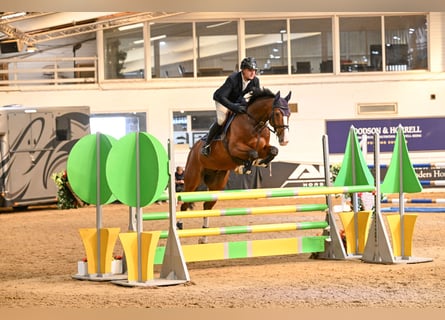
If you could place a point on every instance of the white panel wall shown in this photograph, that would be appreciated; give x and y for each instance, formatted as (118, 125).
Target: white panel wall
(317, 100)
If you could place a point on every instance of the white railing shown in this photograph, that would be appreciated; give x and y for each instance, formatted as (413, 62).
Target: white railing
(57, 71)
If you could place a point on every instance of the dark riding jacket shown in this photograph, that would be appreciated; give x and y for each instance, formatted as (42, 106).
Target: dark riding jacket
(230, 94)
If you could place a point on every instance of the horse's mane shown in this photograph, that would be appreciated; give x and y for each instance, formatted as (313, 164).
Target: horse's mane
(259, 93)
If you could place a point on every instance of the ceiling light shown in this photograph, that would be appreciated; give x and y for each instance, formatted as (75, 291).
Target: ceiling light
(13, 15)
(162, 36)
(218, 24)
(31, 48)
(138, 41)
(131, 26)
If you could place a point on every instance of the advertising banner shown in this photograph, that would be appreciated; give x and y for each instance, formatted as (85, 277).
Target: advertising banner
(422, 134)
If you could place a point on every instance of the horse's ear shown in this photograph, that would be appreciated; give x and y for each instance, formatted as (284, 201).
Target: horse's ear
(288, 96)
(277, 96)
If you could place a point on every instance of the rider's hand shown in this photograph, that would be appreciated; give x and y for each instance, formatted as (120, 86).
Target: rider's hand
(243, 102)
(242, 109)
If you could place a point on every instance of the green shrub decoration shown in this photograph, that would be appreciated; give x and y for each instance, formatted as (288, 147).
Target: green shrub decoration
(66, 198)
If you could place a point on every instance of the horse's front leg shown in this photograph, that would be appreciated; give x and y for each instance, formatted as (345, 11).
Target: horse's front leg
(246, 167)
(264, 162)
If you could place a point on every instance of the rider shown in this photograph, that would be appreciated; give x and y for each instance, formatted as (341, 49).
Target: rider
(230, 96)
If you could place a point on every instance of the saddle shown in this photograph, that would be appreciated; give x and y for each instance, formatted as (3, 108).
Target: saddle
(222, 132)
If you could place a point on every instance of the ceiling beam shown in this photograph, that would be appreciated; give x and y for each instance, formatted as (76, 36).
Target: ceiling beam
(101, 23)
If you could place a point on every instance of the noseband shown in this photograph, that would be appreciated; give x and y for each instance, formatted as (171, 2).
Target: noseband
(284, 109)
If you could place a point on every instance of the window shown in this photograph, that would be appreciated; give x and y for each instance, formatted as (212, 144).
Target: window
(376, 108)
(217, 43)
(190, 126)
(311, 45)
(124, 52)
(266, 40)
(63, 128)
(406, 43)
(118, 125)
(360, 40)
(171, 50)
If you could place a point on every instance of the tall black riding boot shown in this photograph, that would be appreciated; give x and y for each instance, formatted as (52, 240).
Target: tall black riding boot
(205, 150)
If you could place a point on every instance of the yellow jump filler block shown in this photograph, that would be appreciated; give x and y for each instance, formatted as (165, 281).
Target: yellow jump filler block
(108, 237)
(395, 228)
(363, 224)
(149, 242)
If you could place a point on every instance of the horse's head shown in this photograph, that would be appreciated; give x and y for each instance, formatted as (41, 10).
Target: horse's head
(279, 119)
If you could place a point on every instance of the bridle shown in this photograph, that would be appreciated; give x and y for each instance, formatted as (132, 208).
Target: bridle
(261, 124)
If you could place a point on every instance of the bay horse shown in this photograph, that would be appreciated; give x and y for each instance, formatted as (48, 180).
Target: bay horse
(244, 143)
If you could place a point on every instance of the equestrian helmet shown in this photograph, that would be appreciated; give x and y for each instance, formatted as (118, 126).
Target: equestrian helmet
(249, 63)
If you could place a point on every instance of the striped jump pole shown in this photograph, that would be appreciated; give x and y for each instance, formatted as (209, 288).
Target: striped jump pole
(236, 211)
(274, 227)
(436, 183)
(431, 165)
(248, 249)
(415, 209)
(435, 165)
(414, 200)
(269, 193)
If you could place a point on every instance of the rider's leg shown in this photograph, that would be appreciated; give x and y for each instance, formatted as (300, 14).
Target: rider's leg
(205, 150)
(221, 114)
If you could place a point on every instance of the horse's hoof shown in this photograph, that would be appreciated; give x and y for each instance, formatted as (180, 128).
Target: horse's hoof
(239, 170)
(202, 240)
(247, 171)
(179, 225)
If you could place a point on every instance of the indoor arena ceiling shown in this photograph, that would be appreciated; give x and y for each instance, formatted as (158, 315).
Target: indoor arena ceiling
(35, 27)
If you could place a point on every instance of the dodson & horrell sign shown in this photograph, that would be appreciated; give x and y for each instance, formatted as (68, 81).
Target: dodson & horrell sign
(422, 134)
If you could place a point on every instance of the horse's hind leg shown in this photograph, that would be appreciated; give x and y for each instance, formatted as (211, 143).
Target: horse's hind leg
(215, 181)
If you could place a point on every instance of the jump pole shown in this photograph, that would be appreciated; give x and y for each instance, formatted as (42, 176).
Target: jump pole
(437, 183)
(248, 249)
(236, 211)
(431, 165)
(270, 193)
(272, 227)
(420, 200)
(415, 209)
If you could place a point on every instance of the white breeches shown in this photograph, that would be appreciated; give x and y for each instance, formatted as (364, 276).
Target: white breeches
(221, 113)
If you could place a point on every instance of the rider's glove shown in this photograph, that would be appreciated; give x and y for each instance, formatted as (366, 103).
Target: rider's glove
(242, 108)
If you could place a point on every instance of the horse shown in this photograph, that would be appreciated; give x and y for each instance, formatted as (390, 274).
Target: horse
(244, 142)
